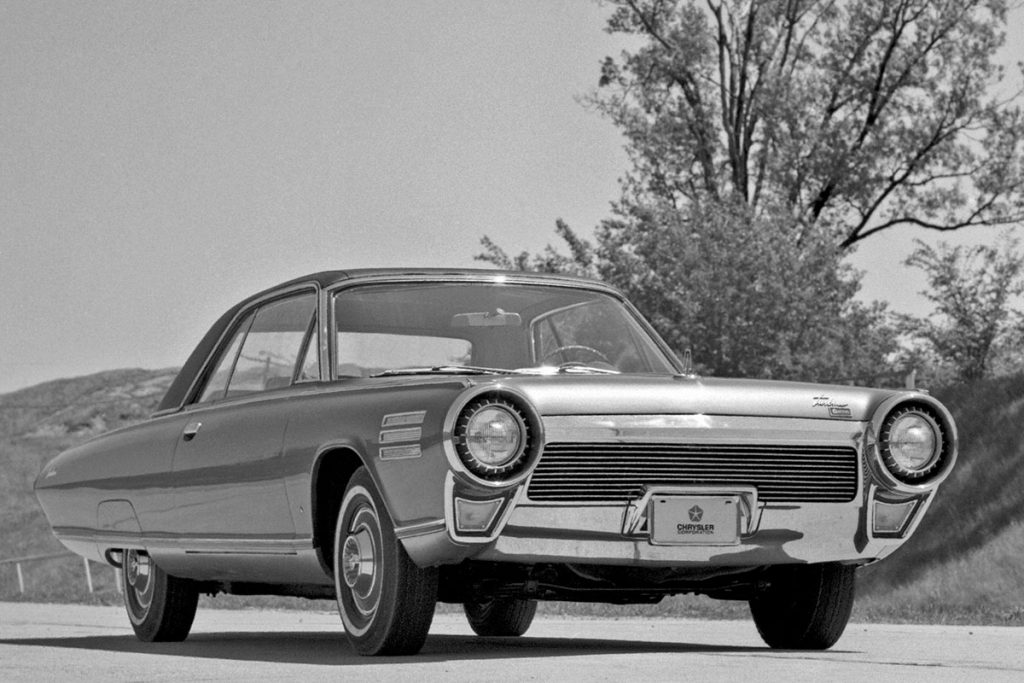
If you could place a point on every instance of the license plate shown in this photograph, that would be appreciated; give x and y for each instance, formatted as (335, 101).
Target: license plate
(695, 520)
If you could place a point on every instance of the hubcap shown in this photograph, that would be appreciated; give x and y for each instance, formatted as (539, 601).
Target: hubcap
(360, 568)
(138, 572)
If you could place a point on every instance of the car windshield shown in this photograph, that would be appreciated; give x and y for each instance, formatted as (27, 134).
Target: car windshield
(434, 327)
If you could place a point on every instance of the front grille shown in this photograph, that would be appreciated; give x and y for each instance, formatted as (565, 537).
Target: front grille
(617, 472)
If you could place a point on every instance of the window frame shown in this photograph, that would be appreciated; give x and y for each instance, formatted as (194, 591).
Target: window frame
(247, 314)
(332, 291)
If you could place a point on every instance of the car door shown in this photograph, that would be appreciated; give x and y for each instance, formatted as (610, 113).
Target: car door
(229, 483)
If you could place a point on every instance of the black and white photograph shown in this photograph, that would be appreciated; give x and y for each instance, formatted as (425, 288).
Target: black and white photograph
(478, 340)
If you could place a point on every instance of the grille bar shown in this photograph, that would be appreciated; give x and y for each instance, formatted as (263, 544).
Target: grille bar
(617, 472)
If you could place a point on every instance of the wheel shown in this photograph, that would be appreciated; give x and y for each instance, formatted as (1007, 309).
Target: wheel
(577, 350)
(805, 607)
(500, 616)
(386, 602)
(160, 607)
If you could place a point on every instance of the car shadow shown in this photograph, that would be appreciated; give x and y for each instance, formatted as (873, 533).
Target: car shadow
(331, 648)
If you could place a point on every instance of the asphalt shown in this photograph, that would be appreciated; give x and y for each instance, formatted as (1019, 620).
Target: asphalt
(75, 642)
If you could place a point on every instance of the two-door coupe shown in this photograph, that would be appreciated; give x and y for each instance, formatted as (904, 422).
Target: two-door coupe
(396, 438)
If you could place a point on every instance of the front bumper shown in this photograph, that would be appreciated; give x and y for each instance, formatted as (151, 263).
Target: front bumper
(528, 531)
(778, 534)
(784, 535)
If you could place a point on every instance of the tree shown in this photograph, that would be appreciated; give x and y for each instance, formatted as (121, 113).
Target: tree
(768, 137)
(972, 289)
(753, 303)
(856, 116)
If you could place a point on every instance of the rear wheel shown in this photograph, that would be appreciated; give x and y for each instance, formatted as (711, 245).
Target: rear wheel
(500, 616)
(160, 607)
(385, 600)
(805, 607)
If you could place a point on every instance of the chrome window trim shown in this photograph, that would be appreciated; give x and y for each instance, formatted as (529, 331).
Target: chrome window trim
(501, 278)
(196, 386)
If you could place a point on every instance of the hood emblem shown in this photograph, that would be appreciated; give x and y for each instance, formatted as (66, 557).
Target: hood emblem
(835, 409)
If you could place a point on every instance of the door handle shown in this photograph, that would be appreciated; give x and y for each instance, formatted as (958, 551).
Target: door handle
(191, 429)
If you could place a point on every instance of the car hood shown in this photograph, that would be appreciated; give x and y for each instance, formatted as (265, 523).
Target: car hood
(647, 395)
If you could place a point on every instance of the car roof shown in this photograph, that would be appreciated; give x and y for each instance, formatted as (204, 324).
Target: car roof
(327, 278)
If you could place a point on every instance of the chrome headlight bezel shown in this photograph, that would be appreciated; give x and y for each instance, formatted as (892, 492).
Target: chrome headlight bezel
(491, 436)
(463, 448)
(900, 428)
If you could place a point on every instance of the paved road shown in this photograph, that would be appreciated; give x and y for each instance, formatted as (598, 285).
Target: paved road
(74, 642)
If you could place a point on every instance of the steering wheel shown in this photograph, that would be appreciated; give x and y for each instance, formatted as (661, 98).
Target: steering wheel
(577, 348)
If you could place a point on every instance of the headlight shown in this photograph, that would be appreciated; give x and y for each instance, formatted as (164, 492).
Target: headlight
(490, 437)
(914, 442)
(495, 438)
(913, 445)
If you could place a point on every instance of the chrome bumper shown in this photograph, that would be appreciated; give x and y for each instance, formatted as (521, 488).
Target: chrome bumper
(782, 535)
(775, 534)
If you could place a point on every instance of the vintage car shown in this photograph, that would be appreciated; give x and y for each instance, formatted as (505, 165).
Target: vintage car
(395, 438)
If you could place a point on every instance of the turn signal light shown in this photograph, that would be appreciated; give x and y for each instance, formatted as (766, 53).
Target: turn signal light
(475, 515)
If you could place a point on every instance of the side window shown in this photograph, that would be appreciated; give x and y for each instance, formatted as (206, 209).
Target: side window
(270, 352)
(217, 384)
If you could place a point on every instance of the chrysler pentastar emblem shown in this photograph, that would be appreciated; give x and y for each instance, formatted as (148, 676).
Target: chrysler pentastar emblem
(696, 514)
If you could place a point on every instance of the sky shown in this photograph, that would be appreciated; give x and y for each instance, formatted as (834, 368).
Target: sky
(160, 161)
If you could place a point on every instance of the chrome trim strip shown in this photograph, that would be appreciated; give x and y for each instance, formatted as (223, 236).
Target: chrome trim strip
(188, 544)
(398, 435)
(421, 529)
(400, 452)
(401, 419)
(700, 428)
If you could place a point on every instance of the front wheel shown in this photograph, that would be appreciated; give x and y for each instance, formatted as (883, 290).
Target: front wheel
(500, 616)
(385, 600)
(161, 607)
(804, 607)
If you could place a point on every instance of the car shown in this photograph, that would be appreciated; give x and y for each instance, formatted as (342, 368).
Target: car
(391, 438)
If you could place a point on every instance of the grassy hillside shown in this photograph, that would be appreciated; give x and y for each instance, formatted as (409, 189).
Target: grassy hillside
(36, 424)
(965, 557)
(962, 566)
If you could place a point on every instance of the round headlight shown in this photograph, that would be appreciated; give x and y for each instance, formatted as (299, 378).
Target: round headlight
(912, 444)
(492, 438)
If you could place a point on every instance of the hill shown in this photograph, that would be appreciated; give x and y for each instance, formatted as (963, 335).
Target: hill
(964, 559)
(37, 423)
(962, 566)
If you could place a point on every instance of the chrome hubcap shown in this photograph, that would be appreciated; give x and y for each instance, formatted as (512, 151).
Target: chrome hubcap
(138, 572)
(360, 568)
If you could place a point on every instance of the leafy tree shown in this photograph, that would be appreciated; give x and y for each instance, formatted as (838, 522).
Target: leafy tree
(852, 117)
(767, 137)
(755, 303)
(972, 289)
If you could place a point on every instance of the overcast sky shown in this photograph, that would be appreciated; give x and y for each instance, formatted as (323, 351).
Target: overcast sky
(160, 161)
